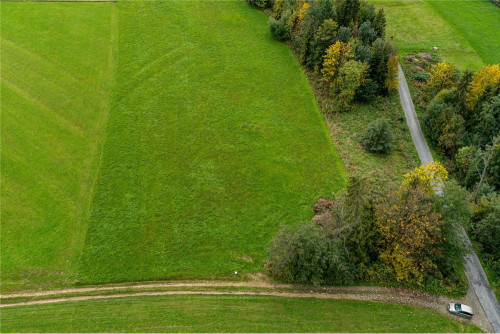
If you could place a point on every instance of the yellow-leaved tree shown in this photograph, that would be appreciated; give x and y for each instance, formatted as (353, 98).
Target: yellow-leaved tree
(336, 55)
(429, 177)
(409, 229)
(302, 11)
(442, 76)
(488, 76)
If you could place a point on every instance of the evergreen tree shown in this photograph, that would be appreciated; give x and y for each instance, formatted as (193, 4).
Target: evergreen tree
(379, 23)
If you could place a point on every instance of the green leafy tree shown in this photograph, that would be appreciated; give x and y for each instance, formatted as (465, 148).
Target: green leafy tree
(349, 78)
(454, 205)
(444, 126)
(487, 226)
(488, 125)
(378, 137)
(344, 34)
(305, 254)
(361, 52)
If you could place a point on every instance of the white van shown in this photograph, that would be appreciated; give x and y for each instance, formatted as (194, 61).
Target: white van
(461, 310)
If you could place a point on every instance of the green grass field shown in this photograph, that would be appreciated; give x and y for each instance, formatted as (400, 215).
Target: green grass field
(209, 134)
(197, 313)
(465, 32)
(55, 98)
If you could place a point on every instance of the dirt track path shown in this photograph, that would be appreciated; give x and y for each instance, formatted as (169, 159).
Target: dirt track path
(360, 293)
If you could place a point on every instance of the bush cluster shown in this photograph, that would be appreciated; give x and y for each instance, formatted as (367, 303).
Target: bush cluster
(410, 238)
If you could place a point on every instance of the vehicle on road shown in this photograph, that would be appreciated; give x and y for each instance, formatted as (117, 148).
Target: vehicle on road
(460, 310)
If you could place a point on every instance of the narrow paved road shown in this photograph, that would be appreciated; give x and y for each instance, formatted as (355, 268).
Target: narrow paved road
(475, 273)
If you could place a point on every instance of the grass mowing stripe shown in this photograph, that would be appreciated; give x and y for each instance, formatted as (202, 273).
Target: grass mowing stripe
(214, 140)
(56, 84)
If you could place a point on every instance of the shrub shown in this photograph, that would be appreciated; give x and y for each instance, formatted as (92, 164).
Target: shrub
(305, 254)
(366, 92)
(278, 29)
(261, 3)
(378, 137)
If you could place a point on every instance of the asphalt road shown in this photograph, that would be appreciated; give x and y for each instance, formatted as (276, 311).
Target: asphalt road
(473, 268)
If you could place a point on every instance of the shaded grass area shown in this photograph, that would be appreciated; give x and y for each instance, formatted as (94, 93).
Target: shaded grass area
(415, 26)
(197, 313)
(214, 141)
(55, 94)
(477, 21)
(382, 171)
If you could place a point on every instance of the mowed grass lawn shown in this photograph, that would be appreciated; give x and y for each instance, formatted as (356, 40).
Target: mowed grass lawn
(214, 141)
(416, 26)
(151, 140)
(198, 313)
(56, 76)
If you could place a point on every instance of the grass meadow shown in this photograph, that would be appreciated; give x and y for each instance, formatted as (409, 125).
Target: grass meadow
(56, 84)
(198, 313)
(151, 140)
(477, 21)
(214, 141)
(417, 25)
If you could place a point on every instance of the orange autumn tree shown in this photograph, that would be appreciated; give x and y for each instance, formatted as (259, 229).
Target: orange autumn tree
(487, 77)
(336, 55)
